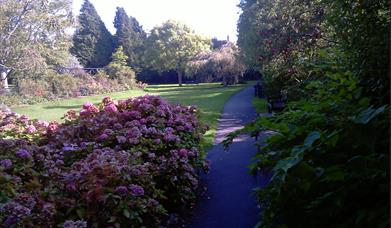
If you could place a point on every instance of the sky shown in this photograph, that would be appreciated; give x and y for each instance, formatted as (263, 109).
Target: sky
(213, 18)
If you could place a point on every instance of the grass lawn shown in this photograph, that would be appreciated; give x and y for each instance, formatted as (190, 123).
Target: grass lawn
(260, 105)
(209, 97)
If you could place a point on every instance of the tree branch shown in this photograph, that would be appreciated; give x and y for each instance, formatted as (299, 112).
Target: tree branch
(25, 10)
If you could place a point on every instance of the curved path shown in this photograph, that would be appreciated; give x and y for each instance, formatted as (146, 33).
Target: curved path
(229, 200)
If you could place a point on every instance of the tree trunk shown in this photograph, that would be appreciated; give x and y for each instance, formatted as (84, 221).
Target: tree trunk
(4, 81)
(236, 79)
(225, 83)
(180, 77)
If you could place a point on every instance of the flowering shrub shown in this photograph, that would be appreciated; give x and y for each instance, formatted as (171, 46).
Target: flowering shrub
(52, 86)
(13, 125)
(121, 163)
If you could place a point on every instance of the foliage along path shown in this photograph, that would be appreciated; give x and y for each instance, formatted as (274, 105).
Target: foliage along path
(229, 200)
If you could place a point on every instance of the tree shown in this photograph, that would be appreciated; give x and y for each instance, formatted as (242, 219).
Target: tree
(275, 36)
(216, 43)
(220, 64)
(171, 45)
(119, 69)
(92, 42)
(131, 36)
(33, 35)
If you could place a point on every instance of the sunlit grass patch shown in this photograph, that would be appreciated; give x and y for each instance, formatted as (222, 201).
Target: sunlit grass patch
(208, 97)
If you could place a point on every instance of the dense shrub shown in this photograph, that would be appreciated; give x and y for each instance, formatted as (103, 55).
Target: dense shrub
(51, 86)
(329, 155)
(33, 88)
(329, 159)
(13, 125)
(97, 84)
(127, 163)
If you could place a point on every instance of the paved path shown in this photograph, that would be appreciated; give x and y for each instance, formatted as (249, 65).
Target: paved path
(229, 200)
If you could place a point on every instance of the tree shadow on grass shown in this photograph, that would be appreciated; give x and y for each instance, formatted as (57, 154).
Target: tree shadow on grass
(181, 89)
(63, 107)
(192, 99)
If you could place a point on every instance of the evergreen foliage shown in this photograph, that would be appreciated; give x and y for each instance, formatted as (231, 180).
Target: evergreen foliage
(119, 69)
(92, 42)
(131, 36)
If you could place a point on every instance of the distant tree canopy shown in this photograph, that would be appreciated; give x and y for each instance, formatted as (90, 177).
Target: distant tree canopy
(131, 36)
(216, 43)
(33, 34)
(219, 64)
(171, 45)
(92, 42)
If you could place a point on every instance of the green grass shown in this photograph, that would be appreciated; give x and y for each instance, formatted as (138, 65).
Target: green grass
(209, 98)
(260, 105)
(54, 110)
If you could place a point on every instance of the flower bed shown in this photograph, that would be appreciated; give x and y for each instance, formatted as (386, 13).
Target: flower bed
(126, 163)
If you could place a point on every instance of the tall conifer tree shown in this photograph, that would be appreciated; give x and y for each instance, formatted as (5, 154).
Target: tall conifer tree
(92, 42)
(131, 36)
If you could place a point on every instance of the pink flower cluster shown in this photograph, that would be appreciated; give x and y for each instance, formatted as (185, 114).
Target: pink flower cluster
(13, 125)
(117, 163)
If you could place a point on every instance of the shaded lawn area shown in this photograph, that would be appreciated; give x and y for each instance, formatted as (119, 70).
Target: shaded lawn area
(208, 97)
(260, 105)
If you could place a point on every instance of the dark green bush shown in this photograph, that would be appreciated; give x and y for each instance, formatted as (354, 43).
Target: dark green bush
(328, 158)
(329, 154)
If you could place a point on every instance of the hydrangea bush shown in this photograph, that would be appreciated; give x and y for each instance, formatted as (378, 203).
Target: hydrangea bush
(122, 163)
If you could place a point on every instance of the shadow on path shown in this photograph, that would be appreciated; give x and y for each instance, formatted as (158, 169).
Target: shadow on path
(229, 200)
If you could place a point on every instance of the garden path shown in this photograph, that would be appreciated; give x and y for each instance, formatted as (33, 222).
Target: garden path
(229, 200)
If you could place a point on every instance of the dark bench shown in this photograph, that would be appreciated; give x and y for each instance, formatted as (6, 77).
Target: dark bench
(258, 90)
(276, 103)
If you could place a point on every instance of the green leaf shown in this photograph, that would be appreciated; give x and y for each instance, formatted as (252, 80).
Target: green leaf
(3, 197)
(311, 138)
(287, 163)
(333, 174)
(296, 150)
(81, 212)
(112, 219)
(368, 114)
(4, 179)
(332, 139)
(126, 213)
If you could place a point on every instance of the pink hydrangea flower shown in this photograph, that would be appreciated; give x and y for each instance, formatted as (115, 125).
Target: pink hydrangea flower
(87, 105)
(31, 129)
(111, 108)
(6, 163)
(22, 153)
(103, 137)
(121, 190)
(136, 190)
(183, 153)
(52, 127)
(121, 139)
